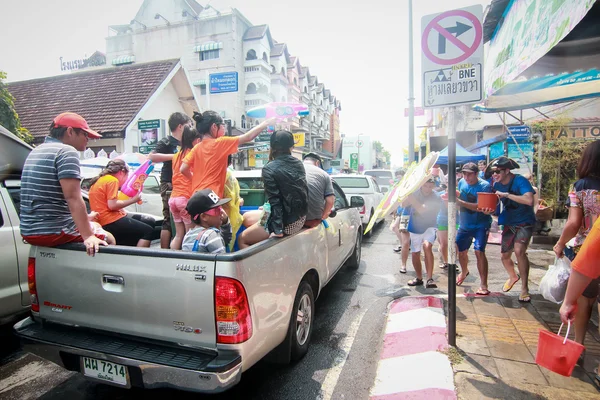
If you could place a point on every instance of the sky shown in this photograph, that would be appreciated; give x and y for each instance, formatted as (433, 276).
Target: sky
(360, 51)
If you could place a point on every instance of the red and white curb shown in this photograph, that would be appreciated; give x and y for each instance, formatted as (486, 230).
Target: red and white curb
(411, 365)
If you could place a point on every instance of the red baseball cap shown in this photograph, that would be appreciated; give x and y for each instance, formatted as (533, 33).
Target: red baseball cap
(69, 119)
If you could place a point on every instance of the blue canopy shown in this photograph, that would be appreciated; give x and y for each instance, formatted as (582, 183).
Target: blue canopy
(462, 156)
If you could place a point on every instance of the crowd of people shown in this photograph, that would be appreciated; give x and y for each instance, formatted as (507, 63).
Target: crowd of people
(198, 190)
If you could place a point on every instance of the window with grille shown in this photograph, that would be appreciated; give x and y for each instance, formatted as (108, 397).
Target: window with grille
(209, 55)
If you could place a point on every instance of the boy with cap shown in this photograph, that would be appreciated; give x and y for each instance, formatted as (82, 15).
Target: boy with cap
(52, 209)
(213, 229)
(474, 224)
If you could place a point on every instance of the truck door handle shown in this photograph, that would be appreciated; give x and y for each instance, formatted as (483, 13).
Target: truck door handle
(117, 280)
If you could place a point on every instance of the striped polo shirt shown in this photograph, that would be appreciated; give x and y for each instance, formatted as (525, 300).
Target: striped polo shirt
(44, 210)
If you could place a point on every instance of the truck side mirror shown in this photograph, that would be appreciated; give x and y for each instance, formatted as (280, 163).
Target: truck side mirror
(384, 189)
(357, 202)
(333, 213)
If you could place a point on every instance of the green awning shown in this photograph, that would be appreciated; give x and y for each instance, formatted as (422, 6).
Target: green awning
(208, 46)
(201, 82)
(123, 60)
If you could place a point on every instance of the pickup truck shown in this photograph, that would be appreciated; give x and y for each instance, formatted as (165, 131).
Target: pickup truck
(366, 187)
(160, 318)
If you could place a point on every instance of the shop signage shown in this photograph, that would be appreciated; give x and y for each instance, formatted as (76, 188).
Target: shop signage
(520, 133)
(574, 132)
(95, 60)
(223, 82)
(146, 149)
(148, 124)
(149, 133)
(354, 161)
(299, 139)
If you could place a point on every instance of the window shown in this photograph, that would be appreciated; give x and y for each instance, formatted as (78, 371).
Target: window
(305, 89)
(381, 177)
(282, 71)
(376, 186)
(251, 89)
(340, 200)
(251, 55)
(203, 90)
(251, 69)
(272, 69)
(295, 81)
(209, 55)
(352, 182)
(243, 122)
(265, 57)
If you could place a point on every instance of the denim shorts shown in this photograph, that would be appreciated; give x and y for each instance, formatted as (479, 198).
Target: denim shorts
(465, 237)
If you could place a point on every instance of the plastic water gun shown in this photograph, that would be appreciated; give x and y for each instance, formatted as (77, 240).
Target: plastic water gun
(134, 184)
(279, 111)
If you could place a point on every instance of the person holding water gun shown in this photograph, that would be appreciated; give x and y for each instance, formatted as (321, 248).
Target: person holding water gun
(136, 230)
(182, 188)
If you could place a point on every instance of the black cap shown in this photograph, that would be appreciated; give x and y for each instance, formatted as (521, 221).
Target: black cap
(202, 201)
(470, 167)
(282, 140)
(314, 156)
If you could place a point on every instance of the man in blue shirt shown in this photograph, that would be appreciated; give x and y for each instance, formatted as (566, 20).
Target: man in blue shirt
(516, 194)
(425, 205)
(473, 224)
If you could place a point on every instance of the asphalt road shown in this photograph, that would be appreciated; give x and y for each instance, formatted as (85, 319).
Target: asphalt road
(341, 362)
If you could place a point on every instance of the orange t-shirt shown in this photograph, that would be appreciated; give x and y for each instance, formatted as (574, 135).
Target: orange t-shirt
(105, 189)
(182, 186)
(587, 261)
(208, 160)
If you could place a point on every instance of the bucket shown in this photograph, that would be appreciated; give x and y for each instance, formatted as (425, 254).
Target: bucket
(556, 353)
(487, 200)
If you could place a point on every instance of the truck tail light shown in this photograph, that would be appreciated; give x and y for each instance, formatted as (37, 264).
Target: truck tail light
(232, 311)
(35, 304)
(362, 210)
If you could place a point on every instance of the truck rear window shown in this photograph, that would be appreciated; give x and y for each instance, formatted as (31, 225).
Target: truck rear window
(352, 182)
(381, 177)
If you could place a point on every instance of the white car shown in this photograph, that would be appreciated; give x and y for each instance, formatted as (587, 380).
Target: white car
(366, 187)
(383, 177)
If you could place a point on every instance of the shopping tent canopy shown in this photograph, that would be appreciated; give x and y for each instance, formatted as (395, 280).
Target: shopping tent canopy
(543, 91)
(462, 156)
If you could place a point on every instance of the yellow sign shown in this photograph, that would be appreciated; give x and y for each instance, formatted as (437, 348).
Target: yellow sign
(299, 139)
(251, 158)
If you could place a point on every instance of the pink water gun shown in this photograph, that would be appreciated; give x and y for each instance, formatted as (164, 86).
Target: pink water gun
(134, 184)
(279, 111)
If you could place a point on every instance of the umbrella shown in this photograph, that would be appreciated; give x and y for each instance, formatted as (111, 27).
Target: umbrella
(502, 161)
(414, 178)
(462, 156)
(133, 159)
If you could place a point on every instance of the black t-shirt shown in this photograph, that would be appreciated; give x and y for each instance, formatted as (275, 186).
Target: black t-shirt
(167, 145)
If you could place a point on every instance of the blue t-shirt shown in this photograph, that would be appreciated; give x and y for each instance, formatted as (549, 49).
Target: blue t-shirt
(470, 219)
(515, 213)
(419, 222)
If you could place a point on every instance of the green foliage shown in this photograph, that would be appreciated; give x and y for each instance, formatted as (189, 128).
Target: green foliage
(8, 116)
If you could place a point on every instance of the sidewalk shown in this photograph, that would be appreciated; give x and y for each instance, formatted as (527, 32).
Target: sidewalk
(497, 343)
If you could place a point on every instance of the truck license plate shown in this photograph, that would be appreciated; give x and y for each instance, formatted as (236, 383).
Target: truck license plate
(105, 371)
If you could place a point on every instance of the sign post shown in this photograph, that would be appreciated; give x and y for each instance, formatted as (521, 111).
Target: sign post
(452, 62)
(354, 161)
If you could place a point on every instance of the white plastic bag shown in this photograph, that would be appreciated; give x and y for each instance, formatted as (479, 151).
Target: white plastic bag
(554, 284)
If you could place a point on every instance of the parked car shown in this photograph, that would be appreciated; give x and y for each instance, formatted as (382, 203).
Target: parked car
(162, 318)
(366, 187)
(383, 177)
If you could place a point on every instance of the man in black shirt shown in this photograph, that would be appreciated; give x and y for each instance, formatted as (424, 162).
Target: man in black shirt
(165, 149)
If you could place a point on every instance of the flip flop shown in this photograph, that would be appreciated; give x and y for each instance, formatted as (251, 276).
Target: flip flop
(444, 266)
(482, 292)
(430, 284)
(460, 281)
(402, 270)
(525, 298)
(507, 286)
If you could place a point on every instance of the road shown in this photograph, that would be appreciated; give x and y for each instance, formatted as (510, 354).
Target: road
(341, 362)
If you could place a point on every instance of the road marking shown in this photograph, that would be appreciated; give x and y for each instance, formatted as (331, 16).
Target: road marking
(333, 374)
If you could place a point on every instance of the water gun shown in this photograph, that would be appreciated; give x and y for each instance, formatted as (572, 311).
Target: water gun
(135, 182)
(279, 111)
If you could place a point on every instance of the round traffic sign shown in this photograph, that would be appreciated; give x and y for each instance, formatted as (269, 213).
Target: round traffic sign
(359, 143)
(467, 50)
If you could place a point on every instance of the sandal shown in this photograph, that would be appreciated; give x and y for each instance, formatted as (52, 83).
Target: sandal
(482, 292)
(397, 249)
(525, 298)
(403, 269)
(507, 285)
(415, 282)
(430, 284)
(444, 266)
(460, 281)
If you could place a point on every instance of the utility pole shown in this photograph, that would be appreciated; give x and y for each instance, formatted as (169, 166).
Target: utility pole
(411, 89)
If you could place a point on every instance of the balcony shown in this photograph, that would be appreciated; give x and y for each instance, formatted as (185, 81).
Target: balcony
(259, 62)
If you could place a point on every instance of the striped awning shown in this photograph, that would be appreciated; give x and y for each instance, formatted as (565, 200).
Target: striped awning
(208, 46)
(123, 60)
(200, 82)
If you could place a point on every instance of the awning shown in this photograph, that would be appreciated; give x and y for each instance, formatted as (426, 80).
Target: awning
(123, 60)
(208, 46)
(543, 91)
(488, 142)
(200, 82)
(462, 156)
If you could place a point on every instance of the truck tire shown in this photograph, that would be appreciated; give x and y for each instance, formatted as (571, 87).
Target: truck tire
(301, 322)
(370, 233)
(354, 260)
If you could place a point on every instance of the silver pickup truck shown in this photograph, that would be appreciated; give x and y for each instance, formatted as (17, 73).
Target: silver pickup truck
(159, 318)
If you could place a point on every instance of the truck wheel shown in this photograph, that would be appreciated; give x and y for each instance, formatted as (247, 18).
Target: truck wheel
(301, 323)
(370, 233)
(354, 260)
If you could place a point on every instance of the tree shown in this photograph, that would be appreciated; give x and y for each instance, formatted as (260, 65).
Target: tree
(8, 116)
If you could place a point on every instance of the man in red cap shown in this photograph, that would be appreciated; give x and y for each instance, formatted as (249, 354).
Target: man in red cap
(52, 209)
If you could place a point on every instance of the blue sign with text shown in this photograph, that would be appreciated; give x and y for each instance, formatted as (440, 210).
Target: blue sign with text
(223, 82)
(520, 133)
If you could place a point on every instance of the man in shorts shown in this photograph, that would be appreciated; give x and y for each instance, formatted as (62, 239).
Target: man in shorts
(320, 191)
(425, 205)
(163, 153)
(52, 209)
(473, 224)
(516, 194)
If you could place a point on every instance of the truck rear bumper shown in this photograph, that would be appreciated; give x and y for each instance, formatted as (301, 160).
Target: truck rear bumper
(149, 366)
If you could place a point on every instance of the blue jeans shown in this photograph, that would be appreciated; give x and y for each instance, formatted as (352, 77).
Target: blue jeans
(465, 237)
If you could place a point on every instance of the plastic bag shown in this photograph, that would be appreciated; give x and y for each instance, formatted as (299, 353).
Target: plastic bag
(554, 284)
(264, 217)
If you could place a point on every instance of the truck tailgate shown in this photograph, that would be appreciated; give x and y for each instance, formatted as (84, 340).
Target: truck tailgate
(148, 293)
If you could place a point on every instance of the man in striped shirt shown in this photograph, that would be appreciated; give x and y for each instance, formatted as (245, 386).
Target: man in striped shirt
(52, 209)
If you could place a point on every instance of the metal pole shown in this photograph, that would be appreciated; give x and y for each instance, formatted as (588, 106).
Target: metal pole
(411, 89)
(452, 227)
